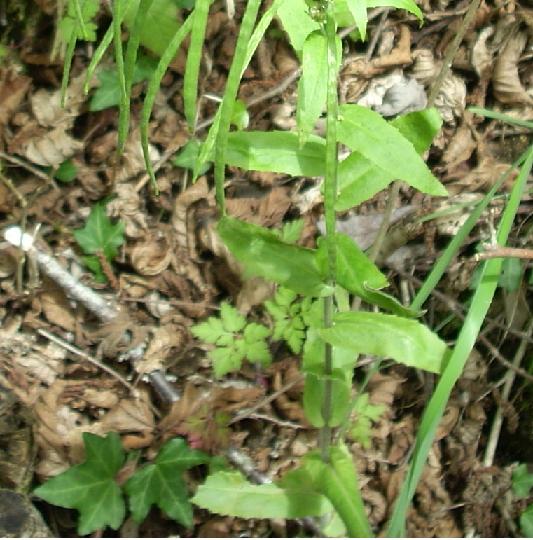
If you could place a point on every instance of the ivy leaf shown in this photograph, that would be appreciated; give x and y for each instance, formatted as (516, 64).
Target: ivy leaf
(161, 483)
(522, 481)
(100, 235)
(90, 487)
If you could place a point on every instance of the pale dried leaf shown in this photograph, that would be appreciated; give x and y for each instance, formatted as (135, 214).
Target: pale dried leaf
(52, 148)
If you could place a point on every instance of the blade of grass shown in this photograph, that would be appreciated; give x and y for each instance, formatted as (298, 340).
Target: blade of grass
(194, 57)
(67, 64)
(453, 247)
(501, 117)
(153, 88)
(98, 55)
(467, 337)
(260, 29)
(230, 95)
(79, 18)
(124, 106)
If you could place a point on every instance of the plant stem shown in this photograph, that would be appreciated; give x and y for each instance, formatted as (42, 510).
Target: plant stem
(330, 193)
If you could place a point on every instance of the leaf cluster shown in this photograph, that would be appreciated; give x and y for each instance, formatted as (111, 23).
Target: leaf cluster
(366, 414)
(235, 340)
(522, 483)
(93, 490)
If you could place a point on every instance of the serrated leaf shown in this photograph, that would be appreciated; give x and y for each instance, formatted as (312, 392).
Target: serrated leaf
(232, 320)
(209, 331)
(90, 487)
(366, 132)
(230, 494)
(258, 352)
(276, 151)
(264, 255)
(225, 360)
(254, 332)
(71, 22)
(388, 336)
(100, 235)
(360, 179)
(522, 481)
(161, 483)
(311, 88)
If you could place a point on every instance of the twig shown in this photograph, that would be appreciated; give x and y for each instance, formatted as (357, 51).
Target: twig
(496, 252)
(34, 170)
(494, 435)
(78, 352)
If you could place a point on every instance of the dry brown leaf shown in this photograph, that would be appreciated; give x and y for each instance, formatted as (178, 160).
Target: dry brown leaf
(127, 207)
(506, 82)
(13, 88)
(481, 56)
(451, 99)
(162, 342)
(51, 148)
(151, 256)
(57, 308)
(459, 149)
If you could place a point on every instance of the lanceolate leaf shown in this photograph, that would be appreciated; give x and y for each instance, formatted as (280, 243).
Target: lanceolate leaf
(276, 151)
(161, 483)
(388, 336)
(90, 487)
(378, 141)
(296, 22)
(358, 10)
(311, 87)
(230, 494)
(360, 179)
(263, 254)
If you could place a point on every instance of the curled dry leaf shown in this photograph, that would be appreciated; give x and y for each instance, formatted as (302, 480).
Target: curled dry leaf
(132, 159)
(127, 207)
(451, 99)
(459, 149)
(163, 340)
(57, 308)
(425, 67)
(506, 82)
(481, 56)
(151, 256)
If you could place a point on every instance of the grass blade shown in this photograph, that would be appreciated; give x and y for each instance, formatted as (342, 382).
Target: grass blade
(194, 57)
(124, 106)
(467, 337)
(444, 260)
(153, 88)
(69, 54)
(97, 56)
(501, 117)
(230, 94)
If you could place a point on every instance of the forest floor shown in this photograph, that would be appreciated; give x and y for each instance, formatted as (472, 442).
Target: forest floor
(171, 270)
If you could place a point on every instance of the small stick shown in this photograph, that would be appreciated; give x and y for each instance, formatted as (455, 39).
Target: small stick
(34, 170)
(496, 252)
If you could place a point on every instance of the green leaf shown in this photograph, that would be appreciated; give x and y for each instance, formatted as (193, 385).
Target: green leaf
(209, 331)
(292, 231)
(66, 172)
(526, 522)
(388, 336)
(226, 360)
(78, 20)
(365, 414)
(408, 5)
(90, 487)
(188, 156)
(511, 274)
(295, 19)
(522, 481)
(230, 494)
(100, 235)
(311, 88)
(276, 151)
(240, 117)
(108, 93)
(366, 132)
(358, 10)
(314, 394)
(264, 255)
(232, 320)
(337, 480)
(161, 483)
(360, 179)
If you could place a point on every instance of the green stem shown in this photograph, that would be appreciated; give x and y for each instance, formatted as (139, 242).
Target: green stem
(330, 194)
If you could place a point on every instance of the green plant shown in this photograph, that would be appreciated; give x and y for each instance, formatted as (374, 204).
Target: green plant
(235, 339)
(522, 482)
(92, 487)
(100, 237)
(320, 325)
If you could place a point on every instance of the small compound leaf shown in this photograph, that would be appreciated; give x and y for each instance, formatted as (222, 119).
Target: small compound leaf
(276, 151)
(263, 254)
(311, 88)
(90, 487)
(388, 336)
(366, 132)
(232, 320)
(230, 494)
